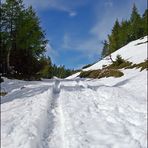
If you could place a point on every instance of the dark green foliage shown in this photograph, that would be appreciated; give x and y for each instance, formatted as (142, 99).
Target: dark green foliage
(126, 31)
(145, 22)
(23, 45)
(61, 71)
(119, 60)
(46, 68)
(114, 38)
(22, 40)
(136, 30)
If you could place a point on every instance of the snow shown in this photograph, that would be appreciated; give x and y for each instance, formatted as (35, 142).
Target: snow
(77, 113)
(135, 51)
(131, 52)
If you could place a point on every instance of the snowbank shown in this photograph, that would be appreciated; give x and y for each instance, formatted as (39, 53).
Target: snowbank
(135, 51)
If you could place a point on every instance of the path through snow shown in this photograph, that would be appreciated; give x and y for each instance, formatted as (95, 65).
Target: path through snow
(74, 114)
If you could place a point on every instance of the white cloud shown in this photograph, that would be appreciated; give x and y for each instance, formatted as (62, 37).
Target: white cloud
(48, 4)
(60, 5)
(66, 41)
(88, 46)
(104, 24)
(108, 3)
(72, 14)
(92, 45)
(112, 11)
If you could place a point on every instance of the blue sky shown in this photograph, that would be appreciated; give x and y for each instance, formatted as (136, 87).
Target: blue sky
(76, 28)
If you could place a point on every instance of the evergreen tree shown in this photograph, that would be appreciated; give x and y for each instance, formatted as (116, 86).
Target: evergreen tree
(46, 68)
(136, 29)
(22, 38)
(105, 49)
(31, 42)
(126, 31)
(114, 37)
(10, 12)
(145, 22)
(124, 34)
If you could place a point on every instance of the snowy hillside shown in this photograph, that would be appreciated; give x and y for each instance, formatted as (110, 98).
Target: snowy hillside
(135, 51)
(79, 113)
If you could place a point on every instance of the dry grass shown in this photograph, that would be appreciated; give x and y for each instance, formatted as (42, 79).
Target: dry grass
(101, 73)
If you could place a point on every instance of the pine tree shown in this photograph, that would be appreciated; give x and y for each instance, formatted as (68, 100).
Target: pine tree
(105, 49)
(145, 22)
(31, 41)
(22, 38)
(136, 29)
(10, 11)
(114, 37)
(126, 31)
(124, 34)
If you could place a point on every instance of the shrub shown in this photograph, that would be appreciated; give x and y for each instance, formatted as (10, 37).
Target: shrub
(113, 69)
(119, 60)
(85, 74)
(142, 65)
(119, 63)
(3, 93)
(110, 73)
(131, 66)
(101, 73)
(95, 73)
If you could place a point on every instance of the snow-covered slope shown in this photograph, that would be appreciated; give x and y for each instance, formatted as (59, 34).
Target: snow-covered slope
(78, 113)
(135, 51)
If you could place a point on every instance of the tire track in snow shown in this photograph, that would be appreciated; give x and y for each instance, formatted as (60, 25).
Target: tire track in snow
(60, 115)
(48, 129)
(54, 135)
(60, 135)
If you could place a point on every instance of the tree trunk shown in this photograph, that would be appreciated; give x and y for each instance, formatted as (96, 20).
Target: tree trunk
(111, 58)
(8, 61)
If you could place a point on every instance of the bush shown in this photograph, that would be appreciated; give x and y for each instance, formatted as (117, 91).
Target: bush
(85, 74)
(119, 60)
(142, 65)
(95, 73)
(101, 73)
(110, 73)
(3, 93)
(113, 69)
(119, 63)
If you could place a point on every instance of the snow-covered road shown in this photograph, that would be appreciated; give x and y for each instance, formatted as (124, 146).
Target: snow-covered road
(75, 113)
